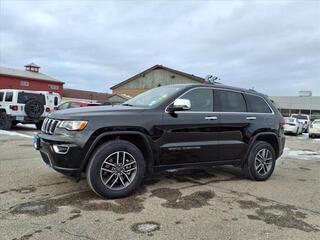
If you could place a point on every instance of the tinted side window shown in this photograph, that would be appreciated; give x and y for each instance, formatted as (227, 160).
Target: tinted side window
(1, 96)
(9, 96)
(63, 106)
(257, 104)
(55, 101)
(74, 105)
(228, 101)
(24, 97)
(201, 99)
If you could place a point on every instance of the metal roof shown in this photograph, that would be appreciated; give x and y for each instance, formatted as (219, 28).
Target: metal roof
(187, 75)
(26, 74)
(83, 94)
(296, 102)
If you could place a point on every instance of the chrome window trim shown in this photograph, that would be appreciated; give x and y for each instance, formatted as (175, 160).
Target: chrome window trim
(225, 89)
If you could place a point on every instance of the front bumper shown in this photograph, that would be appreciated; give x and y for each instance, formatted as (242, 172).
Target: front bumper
(66, 161)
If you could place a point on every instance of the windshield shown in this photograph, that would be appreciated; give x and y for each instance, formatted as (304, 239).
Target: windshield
(300, 117)
(317, 121)
(153, 97)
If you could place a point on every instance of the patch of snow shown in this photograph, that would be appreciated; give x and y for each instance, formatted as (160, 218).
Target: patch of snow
(301, 154)
(13, 133)
(147, 227)
(32, 126)
(316, 140)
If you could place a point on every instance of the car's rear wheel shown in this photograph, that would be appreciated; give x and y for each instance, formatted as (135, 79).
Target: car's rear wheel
(5, 121)
(116, 169)
(261, 161)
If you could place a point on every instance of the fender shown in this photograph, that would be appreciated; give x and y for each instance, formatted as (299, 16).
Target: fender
(253, 140)
(116, 133)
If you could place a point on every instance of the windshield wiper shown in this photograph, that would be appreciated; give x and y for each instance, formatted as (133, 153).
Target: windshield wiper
(127, 104)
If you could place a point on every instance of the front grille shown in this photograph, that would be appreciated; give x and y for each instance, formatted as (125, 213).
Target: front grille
(49, 125)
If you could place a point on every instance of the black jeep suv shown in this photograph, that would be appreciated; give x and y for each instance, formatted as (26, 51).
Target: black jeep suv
(169, 127)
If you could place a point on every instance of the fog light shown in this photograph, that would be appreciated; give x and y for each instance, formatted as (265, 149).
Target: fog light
(61, 149)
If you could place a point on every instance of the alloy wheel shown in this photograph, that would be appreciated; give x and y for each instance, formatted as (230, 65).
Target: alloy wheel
(118, 170)
(263, 161)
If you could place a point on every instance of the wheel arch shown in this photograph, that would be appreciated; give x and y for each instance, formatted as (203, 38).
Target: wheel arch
(137, 138)
(3, 110)
(269, 137)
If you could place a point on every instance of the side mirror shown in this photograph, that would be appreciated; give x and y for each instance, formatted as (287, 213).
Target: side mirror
(180, 105)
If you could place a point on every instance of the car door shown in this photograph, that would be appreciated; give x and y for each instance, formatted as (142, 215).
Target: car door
(233, 123)
(191, 136)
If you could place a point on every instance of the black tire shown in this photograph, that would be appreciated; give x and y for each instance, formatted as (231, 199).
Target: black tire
(311, 136)
(297, 133)
(94, 173)
(5, 121)
(34, 109)
(39, 125)
(250, 169)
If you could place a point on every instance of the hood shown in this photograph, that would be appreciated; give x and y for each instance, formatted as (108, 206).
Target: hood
(91, 111)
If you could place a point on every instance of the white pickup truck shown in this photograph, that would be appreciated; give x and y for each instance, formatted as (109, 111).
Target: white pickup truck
(304, 119)
(21, 106)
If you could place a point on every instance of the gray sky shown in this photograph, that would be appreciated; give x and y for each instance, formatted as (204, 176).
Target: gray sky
(273, 46)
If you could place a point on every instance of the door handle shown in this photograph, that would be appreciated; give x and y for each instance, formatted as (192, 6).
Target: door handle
(211, 118)
(251, 118)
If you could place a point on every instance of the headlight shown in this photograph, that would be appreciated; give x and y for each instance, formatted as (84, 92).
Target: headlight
(73, 125)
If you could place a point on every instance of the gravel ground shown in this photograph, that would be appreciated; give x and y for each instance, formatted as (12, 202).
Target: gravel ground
(218, 203)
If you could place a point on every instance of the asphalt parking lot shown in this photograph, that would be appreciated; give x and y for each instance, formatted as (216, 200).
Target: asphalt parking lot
(39, 203)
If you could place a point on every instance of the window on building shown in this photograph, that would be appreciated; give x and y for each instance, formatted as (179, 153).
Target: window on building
(305, 111)
(24, 83)
(8, 97)
(285, 112)
(201, 99)
(229, 101)
(1, 96)
(52, 86)
(257, 104)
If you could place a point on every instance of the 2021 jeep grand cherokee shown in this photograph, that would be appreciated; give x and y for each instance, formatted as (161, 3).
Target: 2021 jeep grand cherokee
(175, 126)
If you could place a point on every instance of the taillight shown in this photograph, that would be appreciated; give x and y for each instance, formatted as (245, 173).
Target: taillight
(14, 107)
(305, 122)
(282, 121)
(48, 109)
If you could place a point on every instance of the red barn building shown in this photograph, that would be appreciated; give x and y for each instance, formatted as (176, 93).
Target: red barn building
(29, 79)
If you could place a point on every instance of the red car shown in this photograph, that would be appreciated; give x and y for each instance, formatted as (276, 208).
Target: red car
(75, 104)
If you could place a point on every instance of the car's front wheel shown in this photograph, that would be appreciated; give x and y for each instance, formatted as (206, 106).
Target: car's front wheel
(261, 161)
(5, 121)
(116, 169)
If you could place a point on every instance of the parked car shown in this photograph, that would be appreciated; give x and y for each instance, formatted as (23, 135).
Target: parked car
(304, 119)
(75, 104)
(314, 130)
(293, 126)
(20, 106)
(169, 127)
